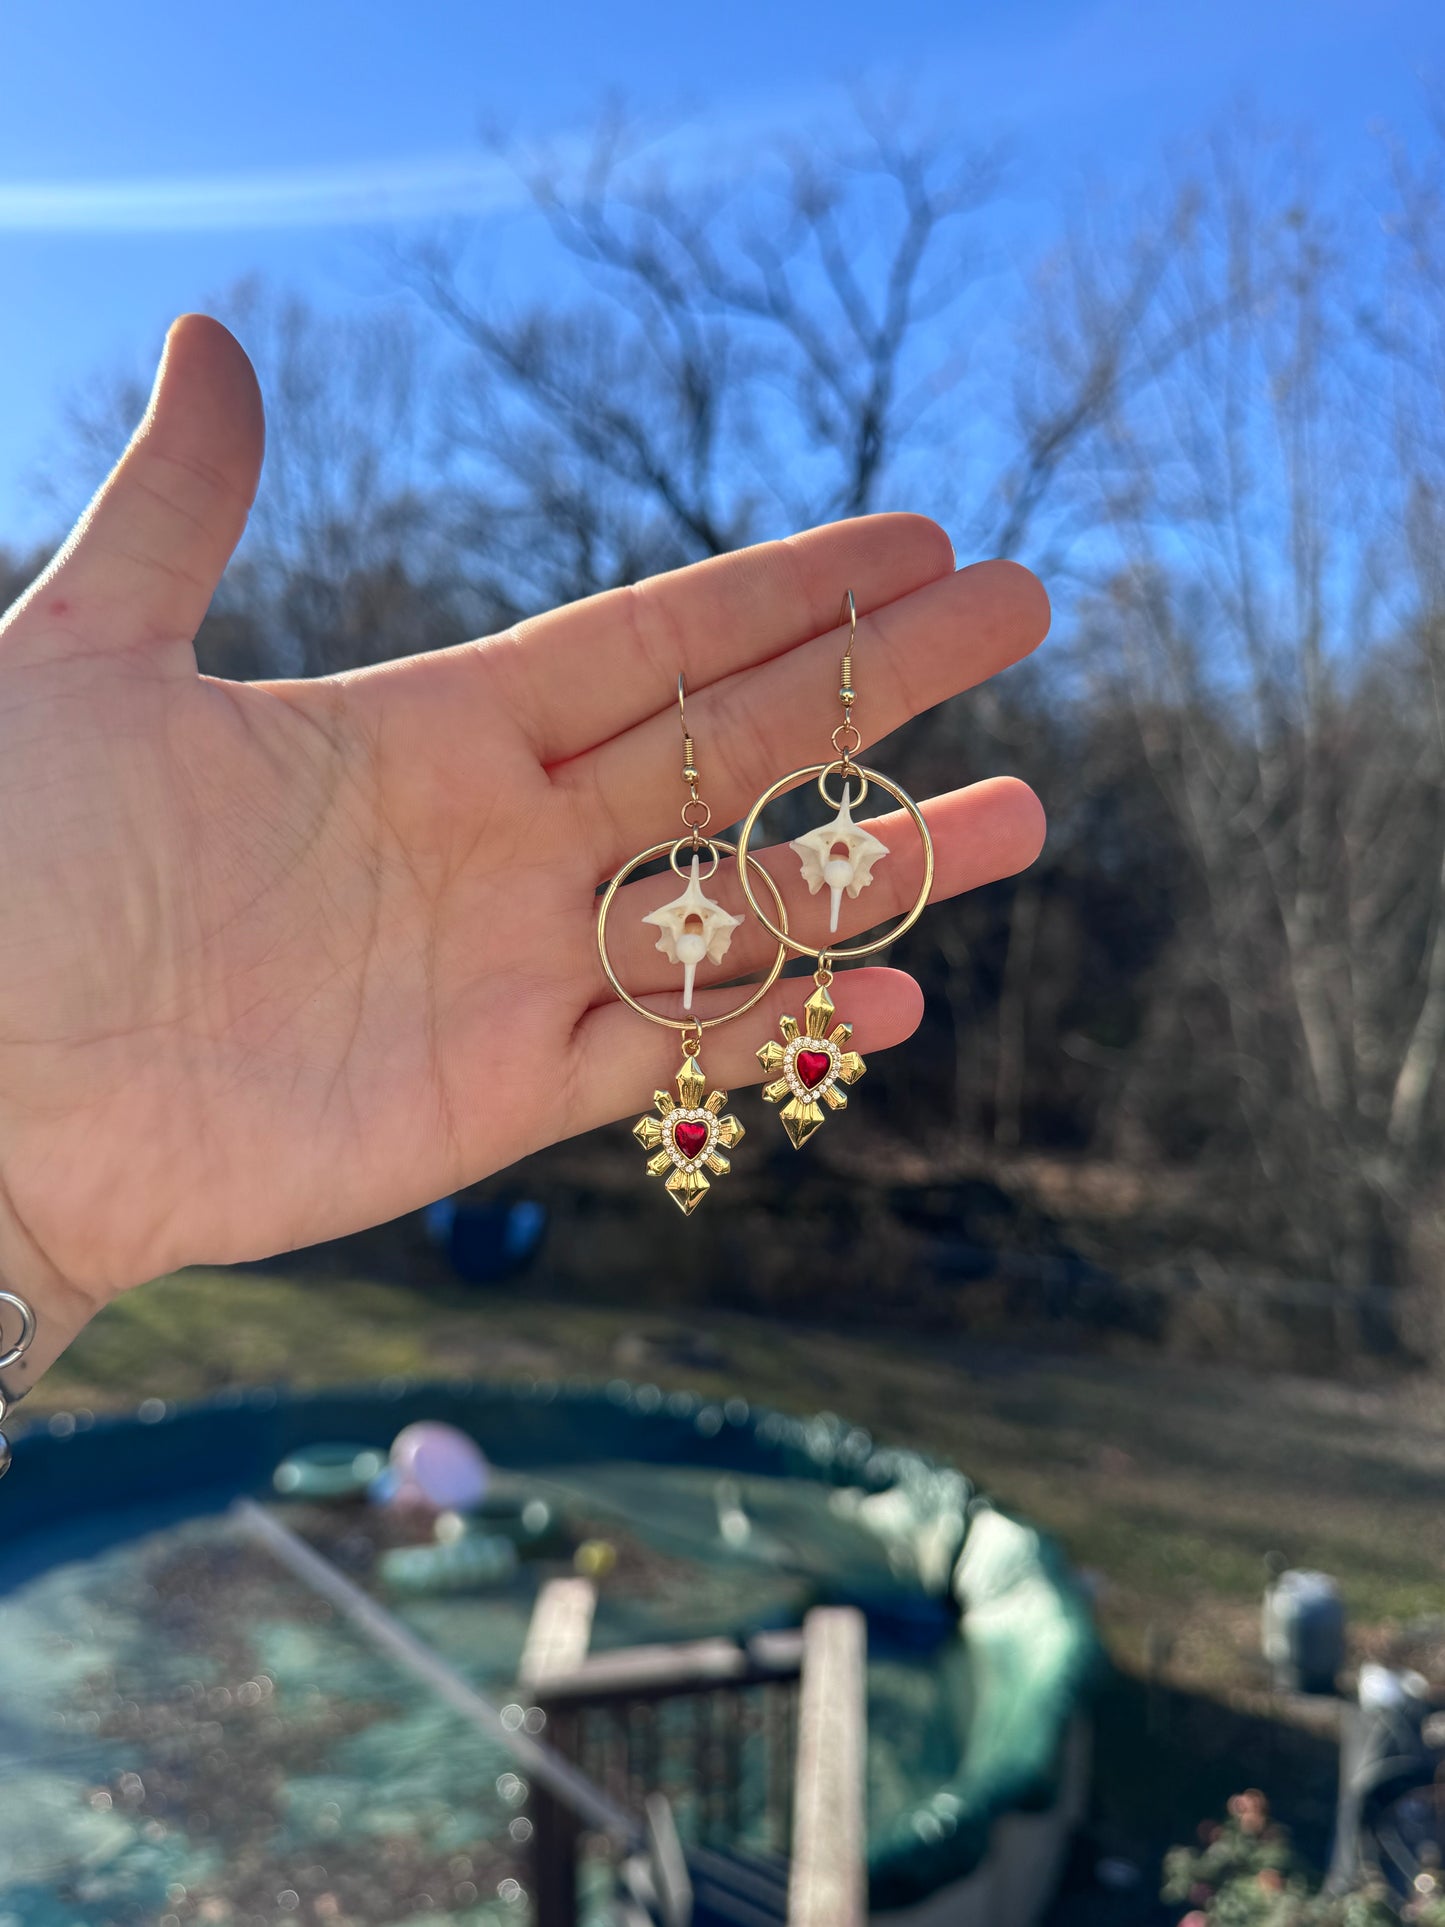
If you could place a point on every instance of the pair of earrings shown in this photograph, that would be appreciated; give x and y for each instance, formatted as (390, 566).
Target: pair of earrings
(809, 1063)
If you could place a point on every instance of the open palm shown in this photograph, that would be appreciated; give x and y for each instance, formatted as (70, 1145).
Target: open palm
(280, 960)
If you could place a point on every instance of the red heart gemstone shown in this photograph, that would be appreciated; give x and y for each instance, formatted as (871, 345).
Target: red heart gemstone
(689, 1137)
(812, 1067)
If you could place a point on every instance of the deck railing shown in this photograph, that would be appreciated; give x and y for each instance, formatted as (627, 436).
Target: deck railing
(735, 1769)
(754, 1750)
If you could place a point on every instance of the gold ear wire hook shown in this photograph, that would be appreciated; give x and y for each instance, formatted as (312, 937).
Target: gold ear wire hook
(695, 824)
(847, 737)
(688, 752)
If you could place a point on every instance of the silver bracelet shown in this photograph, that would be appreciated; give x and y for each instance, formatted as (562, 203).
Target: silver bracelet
(12, 1357)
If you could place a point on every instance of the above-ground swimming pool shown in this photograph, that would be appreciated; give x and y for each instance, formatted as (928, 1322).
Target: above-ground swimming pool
(189, 1735)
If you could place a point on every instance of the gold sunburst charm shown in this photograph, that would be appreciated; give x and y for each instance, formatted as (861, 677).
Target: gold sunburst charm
(813, 1065)
(689, 1135)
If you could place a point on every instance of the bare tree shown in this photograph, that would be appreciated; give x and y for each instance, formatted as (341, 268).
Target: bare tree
(1254, 517)
(738, 359)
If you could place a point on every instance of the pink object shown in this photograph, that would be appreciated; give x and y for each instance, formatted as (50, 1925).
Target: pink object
(439, 1467)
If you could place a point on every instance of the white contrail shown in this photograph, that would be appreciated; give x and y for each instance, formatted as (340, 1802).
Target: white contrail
(364, 193)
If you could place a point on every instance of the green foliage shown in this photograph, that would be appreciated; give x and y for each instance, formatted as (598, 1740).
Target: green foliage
(1245, 1873)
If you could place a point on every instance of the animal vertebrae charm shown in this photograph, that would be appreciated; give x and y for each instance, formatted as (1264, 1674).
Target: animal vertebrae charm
(840, 855)
(693, 927)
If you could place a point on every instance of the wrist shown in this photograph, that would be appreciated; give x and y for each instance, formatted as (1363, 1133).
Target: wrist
(58, 1312)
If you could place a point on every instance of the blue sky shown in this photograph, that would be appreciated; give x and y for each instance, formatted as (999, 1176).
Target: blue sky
(152, 154)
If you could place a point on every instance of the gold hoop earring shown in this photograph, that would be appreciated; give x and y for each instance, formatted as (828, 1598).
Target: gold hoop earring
(691, 1132)
(811, 1064)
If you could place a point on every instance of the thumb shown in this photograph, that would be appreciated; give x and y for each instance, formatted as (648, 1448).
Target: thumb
(143, 561)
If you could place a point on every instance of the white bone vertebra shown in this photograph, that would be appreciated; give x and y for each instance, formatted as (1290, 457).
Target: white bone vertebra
(821, 867)
(688, 947)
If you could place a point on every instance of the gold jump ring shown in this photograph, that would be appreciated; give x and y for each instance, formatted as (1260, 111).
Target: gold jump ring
(693, 849)
(845, 769)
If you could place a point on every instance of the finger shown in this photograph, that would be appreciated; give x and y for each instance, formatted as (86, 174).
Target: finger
(752, 727)
(620, 1060)
(990, 830)
(581, 674)
(143, 561)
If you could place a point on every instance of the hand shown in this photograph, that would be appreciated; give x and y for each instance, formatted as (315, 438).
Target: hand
(281, 960)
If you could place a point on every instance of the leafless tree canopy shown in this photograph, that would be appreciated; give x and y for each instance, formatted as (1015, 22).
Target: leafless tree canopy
(728, 361)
